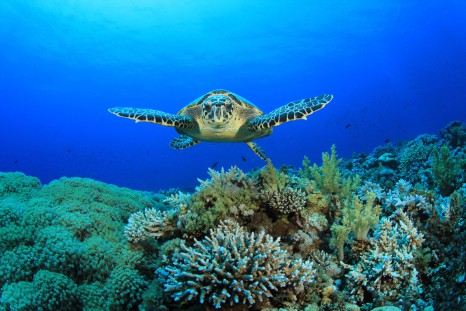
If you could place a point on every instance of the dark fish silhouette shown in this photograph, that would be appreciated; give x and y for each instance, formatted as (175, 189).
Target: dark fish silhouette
(243, 158)
(347, 125)
(214, 165)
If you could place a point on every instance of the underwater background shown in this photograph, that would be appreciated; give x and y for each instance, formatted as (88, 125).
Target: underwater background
(362, 205)
(396, 69)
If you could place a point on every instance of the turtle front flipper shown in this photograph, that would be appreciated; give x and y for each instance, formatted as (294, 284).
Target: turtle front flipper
(154, 116)
(292, 111)
(258, 150)
(183, 141)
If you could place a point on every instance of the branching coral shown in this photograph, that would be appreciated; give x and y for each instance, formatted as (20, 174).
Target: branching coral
(414, 158)
(231, 266)
(286, 201)
(151, 223)
(226, 193)
(387, 272)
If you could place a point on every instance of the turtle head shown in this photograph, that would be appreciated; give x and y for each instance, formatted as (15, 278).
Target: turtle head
(217, 110)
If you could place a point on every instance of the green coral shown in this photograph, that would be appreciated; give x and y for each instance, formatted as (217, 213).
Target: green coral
(18, 185)
(66, 233)
(357, 218)
(47, 291)
(125, 287)
(225, 193)
(18, 264)
(446, 170)
(362, 215)
(54, 291)
(328, 177)
(17, 296)
(60, 251)
(340, 235)
(271, 179)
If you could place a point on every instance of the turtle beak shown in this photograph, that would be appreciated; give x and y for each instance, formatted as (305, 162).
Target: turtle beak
(219, 113)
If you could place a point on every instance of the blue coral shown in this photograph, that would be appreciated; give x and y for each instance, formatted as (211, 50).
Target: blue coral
(232, 266)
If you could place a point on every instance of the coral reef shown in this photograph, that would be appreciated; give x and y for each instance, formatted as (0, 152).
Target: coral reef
(378, 231)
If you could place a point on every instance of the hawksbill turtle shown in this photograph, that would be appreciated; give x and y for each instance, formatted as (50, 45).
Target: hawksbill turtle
(222, 116)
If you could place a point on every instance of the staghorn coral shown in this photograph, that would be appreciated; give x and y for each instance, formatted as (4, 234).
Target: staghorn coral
(405, 198)
(308, 239)
(231, 266)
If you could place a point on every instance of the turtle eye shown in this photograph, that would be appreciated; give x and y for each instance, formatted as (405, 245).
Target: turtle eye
(228, 104)
(208, 105)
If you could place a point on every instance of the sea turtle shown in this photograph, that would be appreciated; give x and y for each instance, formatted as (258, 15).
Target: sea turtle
(222, 116)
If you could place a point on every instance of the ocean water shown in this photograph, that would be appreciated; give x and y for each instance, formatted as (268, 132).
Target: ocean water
(396, 70)
(83, 225)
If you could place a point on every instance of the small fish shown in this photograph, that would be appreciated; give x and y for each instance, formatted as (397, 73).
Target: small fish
(387, 140)
(347, 125)
(15, 161)
(244, 159)
(214, 165)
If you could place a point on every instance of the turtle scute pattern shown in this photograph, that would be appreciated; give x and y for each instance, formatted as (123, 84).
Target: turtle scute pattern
(293, 111)
(156, 116)
(182, 142)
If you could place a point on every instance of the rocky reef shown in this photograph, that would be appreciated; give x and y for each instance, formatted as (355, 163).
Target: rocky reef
(379, 230)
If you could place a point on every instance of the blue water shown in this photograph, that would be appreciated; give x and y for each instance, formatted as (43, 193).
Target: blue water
(397, 69)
